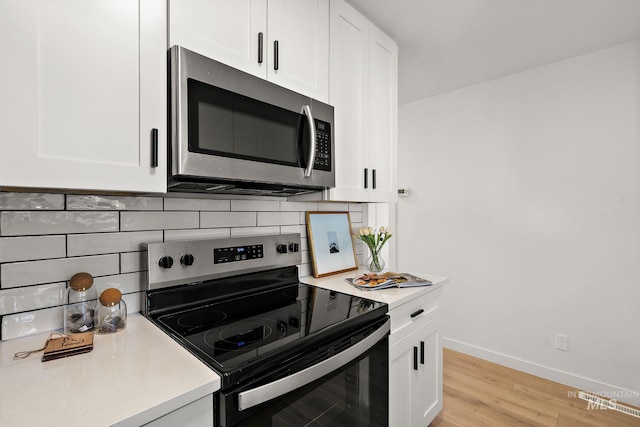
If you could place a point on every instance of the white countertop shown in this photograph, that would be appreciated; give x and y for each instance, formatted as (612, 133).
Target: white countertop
(392, 297)
(130, 378)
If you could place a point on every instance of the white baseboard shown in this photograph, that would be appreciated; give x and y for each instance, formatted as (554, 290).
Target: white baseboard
(599, 388)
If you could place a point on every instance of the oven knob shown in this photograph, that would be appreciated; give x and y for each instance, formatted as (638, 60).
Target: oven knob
(281, 249)
(165, 262)
(186, 260)
(294, 247)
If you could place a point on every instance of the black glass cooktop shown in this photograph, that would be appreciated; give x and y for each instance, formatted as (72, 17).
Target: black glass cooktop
(263, 318)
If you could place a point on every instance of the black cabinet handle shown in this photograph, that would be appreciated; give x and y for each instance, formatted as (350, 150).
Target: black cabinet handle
(154, 148)
(260, 48)
(417, 313)
(415, 358)
(373, 175)
(422, 352)
(275, 55)
(366, 177)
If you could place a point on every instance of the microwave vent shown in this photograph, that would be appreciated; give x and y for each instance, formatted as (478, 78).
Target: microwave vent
(241, 188)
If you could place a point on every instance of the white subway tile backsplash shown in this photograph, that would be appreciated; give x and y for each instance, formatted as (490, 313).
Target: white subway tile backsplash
(137, 221)
(356, 217)
(179, 204)
(333, 207)
(134, 301)
(133, 261)
(201, 233)
(298, 206)
(31, 201)
(59, 222)
(31, 248)
(227, 219)
(255, 205)
(302, 229)
(305, 270)
(113, 203)
(55, 270)
(46, 238)
(108, 243)
(278, 218)
(31, 322)
(126, 283)
(31, 297)
(254, 231)
(306, 256)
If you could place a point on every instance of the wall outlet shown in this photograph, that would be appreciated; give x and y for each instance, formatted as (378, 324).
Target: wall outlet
(561, 342)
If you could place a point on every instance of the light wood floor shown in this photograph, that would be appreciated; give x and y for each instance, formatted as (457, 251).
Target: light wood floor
(480, 393)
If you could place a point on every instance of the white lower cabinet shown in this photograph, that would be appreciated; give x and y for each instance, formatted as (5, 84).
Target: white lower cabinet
(415, 362)
(415, 383)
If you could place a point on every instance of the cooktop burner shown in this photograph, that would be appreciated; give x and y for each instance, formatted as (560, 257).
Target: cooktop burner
(202, 317)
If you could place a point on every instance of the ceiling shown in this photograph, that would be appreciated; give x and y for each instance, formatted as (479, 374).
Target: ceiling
(449, 44)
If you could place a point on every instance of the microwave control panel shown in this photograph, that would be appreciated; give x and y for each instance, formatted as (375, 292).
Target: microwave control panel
(323, 146)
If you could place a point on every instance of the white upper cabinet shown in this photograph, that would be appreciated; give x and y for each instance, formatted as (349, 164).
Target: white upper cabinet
(227, 31)
(83, 89)
(283, 41)
(364, 79)
(382, 116)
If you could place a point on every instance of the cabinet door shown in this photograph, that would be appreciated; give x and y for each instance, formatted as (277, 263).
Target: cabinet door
(300, 28)
(348, 94)
(227, 31)
(415, 388)
(383, 116)
(86, 86)
(364, 79)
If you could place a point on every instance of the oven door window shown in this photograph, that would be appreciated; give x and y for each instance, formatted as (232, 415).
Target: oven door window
(355, 395)
(228, 124)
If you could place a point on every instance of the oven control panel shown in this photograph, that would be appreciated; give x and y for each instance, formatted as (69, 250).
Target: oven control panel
(237, 253)
(188, 261)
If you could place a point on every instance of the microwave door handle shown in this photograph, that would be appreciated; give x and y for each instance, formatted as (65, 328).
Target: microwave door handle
(250, 398)
(306, 110)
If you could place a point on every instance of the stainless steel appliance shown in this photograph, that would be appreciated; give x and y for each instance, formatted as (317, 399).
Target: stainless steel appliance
(288, 354)
(235, 133)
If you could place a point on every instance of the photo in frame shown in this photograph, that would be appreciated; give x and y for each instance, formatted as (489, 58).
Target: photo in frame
(330, 243)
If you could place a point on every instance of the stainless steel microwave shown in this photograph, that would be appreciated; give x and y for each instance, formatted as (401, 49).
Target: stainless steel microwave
(235, 133)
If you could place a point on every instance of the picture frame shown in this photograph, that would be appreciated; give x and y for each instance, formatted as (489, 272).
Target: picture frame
(330, 243)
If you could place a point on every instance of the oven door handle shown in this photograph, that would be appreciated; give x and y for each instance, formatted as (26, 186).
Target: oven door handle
(258, 395)
(306, 110)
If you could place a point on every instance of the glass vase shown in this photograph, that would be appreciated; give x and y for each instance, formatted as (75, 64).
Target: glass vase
(375, 263)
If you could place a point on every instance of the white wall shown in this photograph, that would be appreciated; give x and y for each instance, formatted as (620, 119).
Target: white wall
(525, 191)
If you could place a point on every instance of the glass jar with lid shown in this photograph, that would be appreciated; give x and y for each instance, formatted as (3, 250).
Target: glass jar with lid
(80, 304)
(112, 312)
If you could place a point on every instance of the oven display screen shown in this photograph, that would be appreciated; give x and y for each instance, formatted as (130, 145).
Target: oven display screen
(237, 253)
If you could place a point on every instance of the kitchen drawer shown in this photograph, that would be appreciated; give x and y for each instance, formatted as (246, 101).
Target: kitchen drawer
(423, 309)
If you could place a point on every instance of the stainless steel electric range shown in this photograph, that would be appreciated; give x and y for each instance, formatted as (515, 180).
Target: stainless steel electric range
(288, 354)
